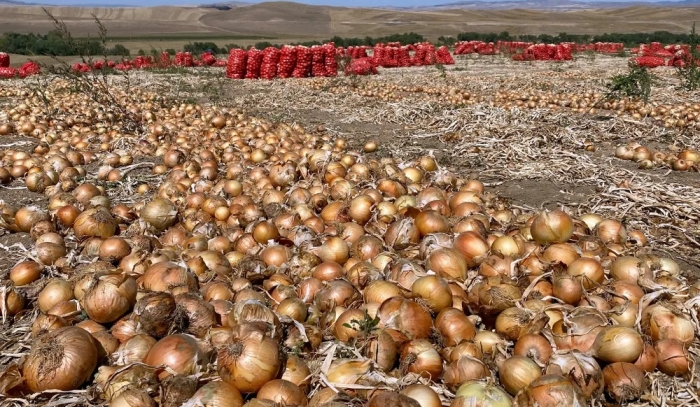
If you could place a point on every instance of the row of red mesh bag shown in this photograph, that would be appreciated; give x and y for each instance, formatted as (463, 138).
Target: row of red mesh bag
(181, 59)
(27, 69)
(391, 56)
(545, 52)
(655, 54)
(288, 62)
(490, 48)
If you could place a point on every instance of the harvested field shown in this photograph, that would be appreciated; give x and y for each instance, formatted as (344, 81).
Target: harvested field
(239, 226)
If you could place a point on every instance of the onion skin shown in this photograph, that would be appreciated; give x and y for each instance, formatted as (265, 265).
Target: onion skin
(63, 359)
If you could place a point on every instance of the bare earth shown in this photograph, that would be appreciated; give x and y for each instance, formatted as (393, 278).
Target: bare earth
(291, 20)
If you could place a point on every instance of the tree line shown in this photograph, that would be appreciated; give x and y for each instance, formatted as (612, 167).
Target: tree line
(55, 44)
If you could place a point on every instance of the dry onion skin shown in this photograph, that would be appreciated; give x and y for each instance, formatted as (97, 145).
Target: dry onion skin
(268, 262)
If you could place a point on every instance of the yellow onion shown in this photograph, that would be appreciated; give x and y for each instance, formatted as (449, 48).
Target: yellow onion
(480, 394)
(95, 222)
(109, 297)
(517, 372)
(160, 213)
(618, 344)
(551, 391)
(424, 395)
(63, 359)
(248, 361)
(624, 381)
(179, 352)
(552, 227)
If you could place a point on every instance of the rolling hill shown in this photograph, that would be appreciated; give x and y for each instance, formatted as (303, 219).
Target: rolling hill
(294, 20)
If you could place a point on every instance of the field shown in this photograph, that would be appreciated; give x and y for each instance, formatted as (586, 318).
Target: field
(257, 218)
(290, 20)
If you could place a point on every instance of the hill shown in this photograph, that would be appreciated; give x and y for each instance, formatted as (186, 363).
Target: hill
(293, 20)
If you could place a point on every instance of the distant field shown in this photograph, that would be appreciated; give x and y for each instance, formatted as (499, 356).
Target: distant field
(175, 25)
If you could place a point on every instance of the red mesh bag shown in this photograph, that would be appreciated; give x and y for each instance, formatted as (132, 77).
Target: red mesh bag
(304, 61)
(443, 56)
(111, 64)
(252, 70)
(7, 73)
(270, 61)
(123, 66)
(318, 61)
(288, 61)
(236, 66)
(331, 64)
(183, 59)
(220, 63)
(362, 66)
(649, 61)
(208, 59)
(28, 69)
(4, 60)
(403, 57)
(142, 62)
(164, 60)
(97, 65)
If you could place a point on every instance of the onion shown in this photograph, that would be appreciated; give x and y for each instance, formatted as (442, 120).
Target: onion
(618, 344)
(472, 246)
(25, 272)
(108, 297)
(588, 270)
(424, 395)
(406, 316)
(56, 291)
(454, 326)
(480, 394)
(581, 369)
(447, 263)
(673, 358)
(418, 356)
(95, 222)
(160, 213)
(629, 269)
(517, 372)
(248, 361)
(389, 398)
(551, 391)
(534, 346)
(465, 369)
(132, 398)
(434, 292)
(154, 312)
(179, 352)
(63, 359)
(624, 381)
(283, 392)
(552, 227)
(664, 324)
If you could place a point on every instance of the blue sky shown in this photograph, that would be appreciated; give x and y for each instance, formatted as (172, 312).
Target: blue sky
(348, 3)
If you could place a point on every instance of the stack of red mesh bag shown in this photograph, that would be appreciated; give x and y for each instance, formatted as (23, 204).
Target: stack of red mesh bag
(164, 60)
(379, 56)
(404, 57)
(318, 61)
(254, 62)
(183, 59)
(80, 68)
(5, 71)
(208, 59)
(330, 63)
(271, 57)
(288, 61)
(362, 66)
(142, 62)
(655, 49)
(304, 62)
(237, 60)
(443, 56)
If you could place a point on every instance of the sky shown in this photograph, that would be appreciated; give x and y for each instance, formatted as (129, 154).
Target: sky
(347, 3)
